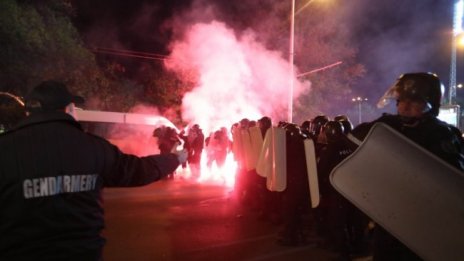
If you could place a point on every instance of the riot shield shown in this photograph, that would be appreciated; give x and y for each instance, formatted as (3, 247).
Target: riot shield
(311, 169)
(272, 162)
(265, 159)
(237, 147)
(410, 192)
(256, 140)
(246, 149)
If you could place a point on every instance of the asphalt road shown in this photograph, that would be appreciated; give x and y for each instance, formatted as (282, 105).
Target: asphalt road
(182, 220)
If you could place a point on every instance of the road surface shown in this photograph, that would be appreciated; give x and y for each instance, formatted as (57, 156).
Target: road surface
(184, 220)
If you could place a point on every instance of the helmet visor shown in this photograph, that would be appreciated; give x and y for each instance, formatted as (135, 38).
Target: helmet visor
(404, 90)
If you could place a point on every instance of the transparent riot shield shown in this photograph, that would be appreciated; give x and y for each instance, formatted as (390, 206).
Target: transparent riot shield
(311, 169)
(410, 192)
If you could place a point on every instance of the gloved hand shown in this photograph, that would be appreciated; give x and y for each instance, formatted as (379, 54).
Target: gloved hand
(182, 156)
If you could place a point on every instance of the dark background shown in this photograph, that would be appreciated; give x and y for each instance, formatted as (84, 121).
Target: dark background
(392, 37)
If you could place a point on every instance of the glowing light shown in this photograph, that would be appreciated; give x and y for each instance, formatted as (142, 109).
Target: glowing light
(457, 30)
(458, 16)
(238, 77)
(460, 39)
(224, 175)
(358, 99)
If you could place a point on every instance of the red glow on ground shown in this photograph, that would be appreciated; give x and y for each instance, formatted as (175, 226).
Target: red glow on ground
(224, 175)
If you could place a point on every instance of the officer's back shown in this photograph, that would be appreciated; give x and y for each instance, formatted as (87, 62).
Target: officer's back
(51, 178)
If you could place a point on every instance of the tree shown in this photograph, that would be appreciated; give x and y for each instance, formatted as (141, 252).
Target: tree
(165, 89)
(38, 42)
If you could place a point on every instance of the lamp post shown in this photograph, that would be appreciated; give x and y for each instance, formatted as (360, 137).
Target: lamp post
(292, 69)
(291, 57)
(457, 31)
(359, 100)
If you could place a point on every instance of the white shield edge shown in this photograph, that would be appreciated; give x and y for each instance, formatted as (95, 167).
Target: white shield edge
(277, 176)
(256, 140)
(237, 147)
(264, 160)
(246, 149)
(311, 169)
(410, 192)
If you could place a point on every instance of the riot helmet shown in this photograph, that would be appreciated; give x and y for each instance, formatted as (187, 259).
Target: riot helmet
(306, 125)
(234, 127)
(264, 124)
(333, 131)
(317, 123)
(244, 123)
(158, 132)
(423, 86)
(293, 129)
(345, 121)
(340, 117)
(282, 124)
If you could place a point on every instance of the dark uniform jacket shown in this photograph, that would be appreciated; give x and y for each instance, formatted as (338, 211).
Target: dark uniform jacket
(436, 136)
(330, 156)
(51, 180)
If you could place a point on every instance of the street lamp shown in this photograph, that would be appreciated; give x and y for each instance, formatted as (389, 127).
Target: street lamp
(292, 69)
(291, 57)
(359, 100)
(457, 31)
(460, 40)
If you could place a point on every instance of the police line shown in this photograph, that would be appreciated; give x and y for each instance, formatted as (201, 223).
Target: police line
(268, 157)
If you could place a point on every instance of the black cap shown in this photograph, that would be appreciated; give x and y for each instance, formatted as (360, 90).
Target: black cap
(51, 95)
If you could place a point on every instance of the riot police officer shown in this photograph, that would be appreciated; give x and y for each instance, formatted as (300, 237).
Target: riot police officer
(168, 140)
(294, 199)
(305, 127)
(418, 97)
(347, 125)
(341, 224)
(316, 125)
(194, 143)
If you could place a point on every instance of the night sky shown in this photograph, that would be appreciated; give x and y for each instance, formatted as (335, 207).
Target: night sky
(392, 37)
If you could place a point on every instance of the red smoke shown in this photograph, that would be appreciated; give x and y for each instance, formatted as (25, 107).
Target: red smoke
(238, 77)
(138, 139)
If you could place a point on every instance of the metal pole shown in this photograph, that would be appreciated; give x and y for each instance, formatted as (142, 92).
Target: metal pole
(292, 49)
(360, 112)
(457, 28)
(452, 82)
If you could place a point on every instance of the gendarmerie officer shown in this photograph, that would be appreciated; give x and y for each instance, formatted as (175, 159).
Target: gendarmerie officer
(51, 178)
(418, 97)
